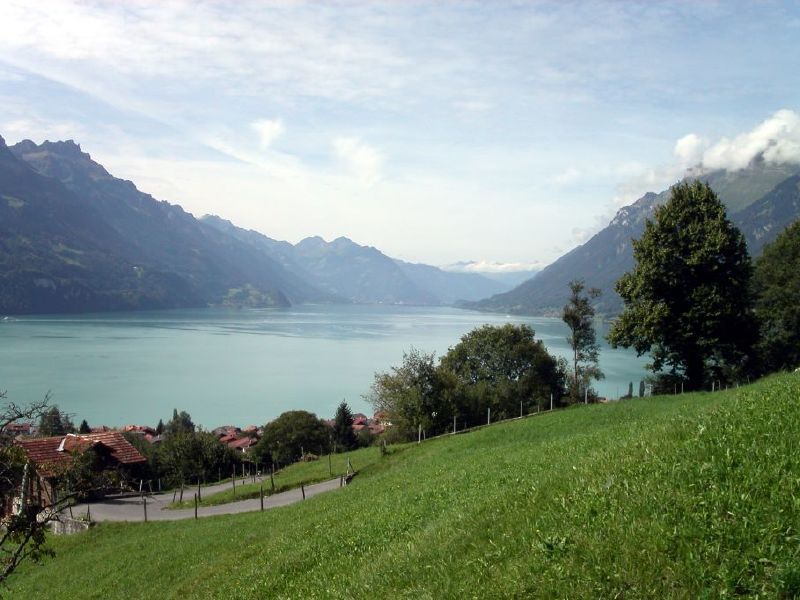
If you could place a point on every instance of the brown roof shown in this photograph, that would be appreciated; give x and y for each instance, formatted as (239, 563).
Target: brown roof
(48, 452)
(242, 443)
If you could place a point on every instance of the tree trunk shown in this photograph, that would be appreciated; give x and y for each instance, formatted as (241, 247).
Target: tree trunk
(694, 372)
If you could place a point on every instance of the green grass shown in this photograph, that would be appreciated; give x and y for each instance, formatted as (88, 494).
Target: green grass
(292, 476)
(694, 496)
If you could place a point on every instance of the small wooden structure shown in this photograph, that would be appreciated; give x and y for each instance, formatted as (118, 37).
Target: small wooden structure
(49, 458)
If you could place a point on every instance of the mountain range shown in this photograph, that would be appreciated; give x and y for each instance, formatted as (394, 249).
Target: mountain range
(762, 200)
(74, 238)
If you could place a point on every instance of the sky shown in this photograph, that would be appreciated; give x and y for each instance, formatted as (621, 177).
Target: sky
(502, 133)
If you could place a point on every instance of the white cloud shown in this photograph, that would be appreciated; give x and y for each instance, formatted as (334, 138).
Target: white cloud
(485, 266)
(689, 149)
(473, 106)
(278, 164)
(777, 139)
(362, 160)
(109, 50)
(566, 177)
(268, 130)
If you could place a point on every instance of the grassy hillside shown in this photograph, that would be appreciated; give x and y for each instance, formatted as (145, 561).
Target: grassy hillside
(684, 496)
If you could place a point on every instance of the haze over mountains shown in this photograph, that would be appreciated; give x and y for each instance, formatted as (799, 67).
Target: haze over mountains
(74, 238)
(762, 200)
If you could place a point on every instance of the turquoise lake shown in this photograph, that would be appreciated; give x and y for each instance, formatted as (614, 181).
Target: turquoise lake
(240, 367)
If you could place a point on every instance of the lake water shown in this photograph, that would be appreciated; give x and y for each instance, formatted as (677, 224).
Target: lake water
(239, 366)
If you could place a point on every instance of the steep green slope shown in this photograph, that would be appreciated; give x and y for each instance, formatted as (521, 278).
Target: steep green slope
(162, 236)
(685, 496)
(764, 220)
(58, 254)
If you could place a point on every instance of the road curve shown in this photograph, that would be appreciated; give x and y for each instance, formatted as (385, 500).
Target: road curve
(132, 508)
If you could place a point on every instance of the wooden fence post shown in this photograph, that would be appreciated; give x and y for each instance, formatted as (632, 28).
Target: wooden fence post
(195, 506)
(261, 495)
(303, 491)
(144, 503)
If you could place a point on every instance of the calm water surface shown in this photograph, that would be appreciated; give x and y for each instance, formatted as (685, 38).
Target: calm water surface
(239, 366)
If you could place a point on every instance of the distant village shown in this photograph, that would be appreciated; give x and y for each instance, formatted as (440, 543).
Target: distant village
(129, 452)
(232, 436)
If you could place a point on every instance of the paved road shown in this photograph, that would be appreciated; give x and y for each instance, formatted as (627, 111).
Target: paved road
(132, 509)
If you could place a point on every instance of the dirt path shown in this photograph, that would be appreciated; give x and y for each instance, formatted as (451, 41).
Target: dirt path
(132, 509)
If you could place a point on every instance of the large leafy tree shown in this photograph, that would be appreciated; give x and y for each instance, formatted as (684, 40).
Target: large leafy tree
(578, 314)
(777, 287)
(687, 300)
(343, 435)
(415, 394)
(187, 456)
(499, 367)
(292, 433)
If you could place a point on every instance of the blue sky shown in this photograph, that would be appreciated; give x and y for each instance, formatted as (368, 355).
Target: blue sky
(501, 132)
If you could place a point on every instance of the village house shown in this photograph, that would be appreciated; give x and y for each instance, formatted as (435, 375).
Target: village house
(243, 444)
(15, 429)
(50, 457)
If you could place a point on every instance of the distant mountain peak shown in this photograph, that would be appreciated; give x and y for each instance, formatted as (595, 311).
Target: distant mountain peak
(342, 240)
(65, 148)
(216, 219)
(312, 240)
(26, 145)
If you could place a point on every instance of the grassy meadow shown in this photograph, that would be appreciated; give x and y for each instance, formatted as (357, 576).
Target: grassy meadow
(686, 496)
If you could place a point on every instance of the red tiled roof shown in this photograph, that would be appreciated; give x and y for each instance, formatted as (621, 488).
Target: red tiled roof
(244, 442)
(48, 452)
(18, 427)
(139, 428)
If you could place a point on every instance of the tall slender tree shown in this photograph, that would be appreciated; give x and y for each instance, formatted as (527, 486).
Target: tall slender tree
(343, 435)
(578, 314)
